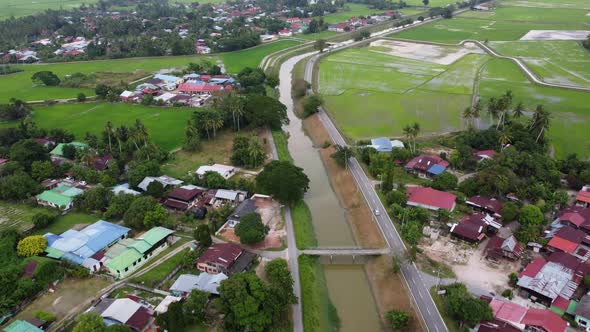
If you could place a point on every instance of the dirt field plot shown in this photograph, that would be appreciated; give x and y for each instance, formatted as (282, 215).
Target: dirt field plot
(442, 55)
(556, 35)
(66, 296)
(469, 264)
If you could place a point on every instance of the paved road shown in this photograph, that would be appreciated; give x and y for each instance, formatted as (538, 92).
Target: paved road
(345, 252)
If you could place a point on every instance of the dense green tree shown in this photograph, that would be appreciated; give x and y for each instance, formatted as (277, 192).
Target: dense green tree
(135, 215)
(465, 307)
(26, 152)
(18, 186)
(195, 306)
(397, 318)
(45, 77)
(319, 45)
(311, 104)
(251, 230)
(284, 181)
(247, 152)
(42, 219)
(243, 298)
(214, 180)
(445, 181)
(41, 170)
(155, 189)
(31, 245)
(281, 293)
(510, 212)
(174, 319)
(396, 197)
(156, 217)
(412, 231)
(69, 151)
(93, 199)
(202, 235)
(342, 154)
(531, 215)
(138, 171)
(263, 111)
(89, 322)
(118, 205)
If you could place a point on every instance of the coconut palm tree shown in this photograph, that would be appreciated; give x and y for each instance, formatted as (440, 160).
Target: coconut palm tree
(468, 116)
(492, 108)
(504, 138)
(540, 122)
(109, 131)
(503, 105)
(475, 112)
(141, 132)
(415, 133)
(408, 133)
(518, 111)
(87, 157)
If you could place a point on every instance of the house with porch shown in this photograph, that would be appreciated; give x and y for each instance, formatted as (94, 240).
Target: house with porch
(431, 199)
(583, 197)
(426, 166)
(183, 198)
(204, 282)
(499, 247)
(487, 205)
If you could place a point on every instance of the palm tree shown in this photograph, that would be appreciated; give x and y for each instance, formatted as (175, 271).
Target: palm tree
(415, 133)
(502, 107)
(87, 157)
(504, 138)
(108, 129)
(540, 122)
(493, 108)
(217, 123)
(408, 133)
(468, 116)
(141, 132)
(518, 110)
(475, 113)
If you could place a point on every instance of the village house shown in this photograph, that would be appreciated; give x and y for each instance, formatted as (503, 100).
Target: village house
(225, 171)
(182, 198)
(46, 142)
(60, 197)
(577, 217)
(582, 312)
(100, 163)
(162, 307)
(204, 282)
(85, 247)
(226, 258)
(224, 196)
(21, 326)
(572, 241)
(58, 153)
(285, 33)
(487, 205)
(473, 228)
(125, 311)
(124, 189)
(583, 197)
(385, 145)
(499, 247)
(554, 280)
(128, 255)
(426, 166)
(340, 27)
(431, 199)
(484, 155)
(512, 317)
(165, 180)
(246, 207)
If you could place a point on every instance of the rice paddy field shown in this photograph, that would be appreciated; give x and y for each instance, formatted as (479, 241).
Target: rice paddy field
(18, 8)
(375, 92)
(20, 86)
(165, 125)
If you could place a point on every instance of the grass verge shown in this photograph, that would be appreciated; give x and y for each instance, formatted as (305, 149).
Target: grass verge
(281, 144)
(430, 266)
(451, 324)
(157, 274)
(319, 314)
(304, 233)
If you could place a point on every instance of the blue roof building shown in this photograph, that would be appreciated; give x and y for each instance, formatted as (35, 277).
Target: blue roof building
(79, 247)
(381, 144)
(436, 169)
(167, 78)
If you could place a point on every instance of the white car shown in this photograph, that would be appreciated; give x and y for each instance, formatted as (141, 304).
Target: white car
(377, 213)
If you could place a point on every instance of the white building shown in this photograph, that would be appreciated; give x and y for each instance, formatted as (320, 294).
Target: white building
(225, 171)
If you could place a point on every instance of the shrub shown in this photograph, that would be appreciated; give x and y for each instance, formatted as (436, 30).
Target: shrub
(43, 219)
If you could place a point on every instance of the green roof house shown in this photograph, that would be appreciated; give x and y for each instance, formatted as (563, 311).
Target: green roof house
(61, 197)
(128, 255)
(58, 151)
(21, 326)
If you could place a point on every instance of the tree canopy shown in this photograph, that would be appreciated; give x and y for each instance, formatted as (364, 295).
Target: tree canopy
(284, 181)
(31, 245)
(251, 230)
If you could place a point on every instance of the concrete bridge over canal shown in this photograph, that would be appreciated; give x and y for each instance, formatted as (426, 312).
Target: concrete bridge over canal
(345, 255)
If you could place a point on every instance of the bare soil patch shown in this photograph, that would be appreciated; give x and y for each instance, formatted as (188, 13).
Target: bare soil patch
(556, 35)
(443, 55)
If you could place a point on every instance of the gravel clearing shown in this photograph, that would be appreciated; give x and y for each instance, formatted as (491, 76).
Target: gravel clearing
(556, 35)
(444, 55)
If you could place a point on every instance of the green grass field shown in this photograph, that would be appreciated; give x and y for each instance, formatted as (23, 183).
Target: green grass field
(18, 8)
(374, 94)
(432, 3)
(20, 86)
(158, 273)
(165, 125)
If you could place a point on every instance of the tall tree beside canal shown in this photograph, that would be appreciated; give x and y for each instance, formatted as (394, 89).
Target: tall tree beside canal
(284, 181)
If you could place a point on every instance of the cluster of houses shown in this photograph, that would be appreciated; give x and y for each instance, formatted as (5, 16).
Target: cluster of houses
(355, 23)
(190, 90)
(73, 46)
(104, 246)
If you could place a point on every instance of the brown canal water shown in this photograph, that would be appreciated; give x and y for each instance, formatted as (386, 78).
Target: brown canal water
(347, 284)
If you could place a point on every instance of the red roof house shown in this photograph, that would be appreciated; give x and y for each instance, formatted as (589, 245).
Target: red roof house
(486, 204)
(427, 165)
(567, 239)
(102, 162)
(182, 198)
(431, 199)
(199, 88)
(499, 247)
(583, 197)
(576, 217)
(219, 258)
(472, 228)
(544, 320)
(484, 154)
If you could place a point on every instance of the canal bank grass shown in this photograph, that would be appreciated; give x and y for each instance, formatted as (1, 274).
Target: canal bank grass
(280, 138)
(433, 267)
(451, 324)
(303, 225)
(319, 313)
